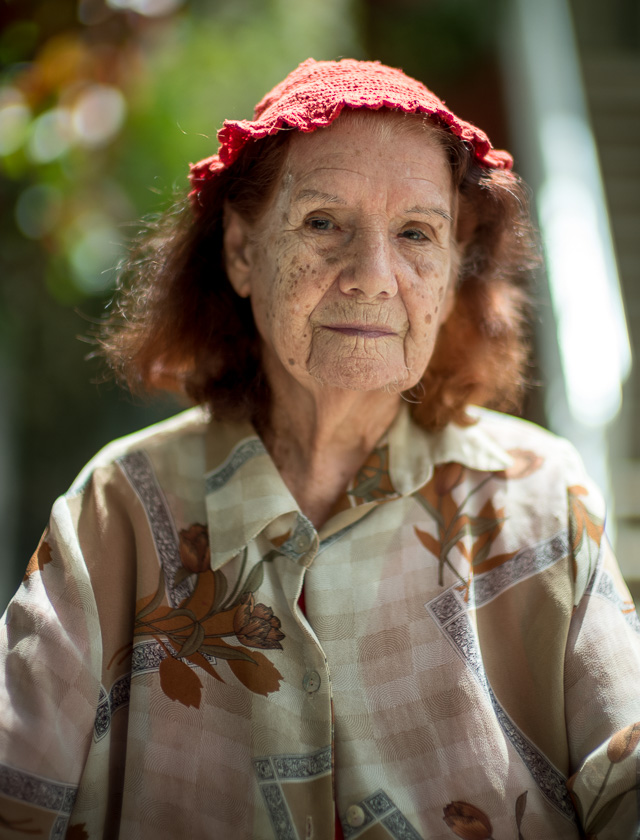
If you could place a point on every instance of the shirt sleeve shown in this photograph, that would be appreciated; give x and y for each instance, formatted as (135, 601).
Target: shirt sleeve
(602, 681)
(50, 665)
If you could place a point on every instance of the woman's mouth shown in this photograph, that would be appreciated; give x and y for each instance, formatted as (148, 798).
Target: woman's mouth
(362, 330)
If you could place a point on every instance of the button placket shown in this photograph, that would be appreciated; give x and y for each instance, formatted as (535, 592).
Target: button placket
(311, 682)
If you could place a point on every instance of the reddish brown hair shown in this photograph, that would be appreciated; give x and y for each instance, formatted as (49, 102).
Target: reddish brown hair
(178, 325)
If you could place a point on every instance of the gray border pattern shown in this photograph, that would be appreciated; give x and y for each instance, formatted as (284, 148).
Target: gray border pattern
(451, 614)
(145, 658)
(399, 827)
(137, 468)
(109, 704)
(102, 723)
(148, 655)
(59, 828)
(300, 767)
(278, 812)
(270, 770)
(379, 803)
(327, 542)
(303, 540)
(602, 586)
(528, 562)
(41, 792)
(294, 766)
(242, 453)
(37, 790)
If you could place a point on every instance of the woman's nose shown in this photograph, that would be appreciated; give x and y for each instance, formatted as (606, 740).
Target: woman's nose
(369, 270)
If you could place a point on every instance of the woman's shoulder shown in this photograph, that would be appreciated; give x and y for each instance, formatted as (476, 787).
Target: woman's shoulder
(515, 433)
(168, 441)
(132, 499)
(551, 464)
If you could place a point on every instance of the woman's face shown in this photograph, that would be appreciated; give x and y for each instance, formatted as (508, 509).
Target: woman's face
(350, 270)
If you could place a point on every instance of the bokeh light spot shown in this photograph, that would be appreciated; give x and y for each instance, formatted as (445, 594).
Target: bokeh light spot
(94, 253)
(38, 210)
(98, 115)
(15, 117)
(149, 8)
(51, 135)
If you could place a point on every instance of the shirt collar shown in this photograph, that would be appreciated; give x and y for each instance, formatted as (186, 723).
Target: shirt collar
(415, 452)
(245, 494)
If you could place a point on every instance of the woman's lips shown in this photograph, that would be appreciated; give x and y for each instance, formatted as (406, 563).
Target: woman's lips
(361, 330)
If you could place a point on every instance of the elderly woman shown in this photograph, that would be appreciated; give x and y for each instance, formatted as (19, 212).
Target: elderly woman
(334, 599)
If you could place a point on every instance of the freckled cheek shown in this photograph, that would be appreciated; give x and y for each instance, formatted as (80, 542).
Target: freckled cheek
(288, 321)
(294, 300)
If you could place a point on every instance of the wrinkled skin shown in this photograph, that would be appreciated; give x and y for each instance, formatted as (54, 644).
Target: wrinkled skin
(349, 270)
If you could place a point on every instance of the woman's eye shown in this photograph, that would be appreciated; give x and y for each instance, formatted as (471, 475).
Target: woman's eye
(320, 224)
(414, 234)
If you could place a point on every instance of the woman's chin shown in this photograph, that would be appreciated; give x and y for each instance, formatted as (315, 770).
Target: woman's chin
(362, 375)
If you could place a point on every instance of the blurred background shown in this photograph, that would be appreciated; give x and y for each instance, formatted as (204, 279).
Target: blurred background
(103, 103)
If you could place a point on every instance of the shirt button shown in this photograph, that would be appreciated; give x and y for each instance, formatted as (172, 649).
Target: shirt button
(355, 816)
(302, 542)
(311, 682)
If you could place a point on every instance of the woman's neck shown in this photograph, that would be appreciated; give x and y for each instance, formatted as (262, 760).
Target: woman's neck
(318, 441)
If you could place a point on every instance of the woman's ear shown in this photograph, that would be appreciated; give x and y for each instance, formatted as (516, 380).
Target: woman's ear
(237, 261)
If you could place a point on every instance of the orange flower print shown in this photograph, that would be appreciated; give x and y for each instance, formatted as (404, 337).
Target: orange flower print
(196, 631)
(180, 682)
(620, 746)
(525, 463)
(77, 832)
(372, 481)
(467, 821)
(623, 743)
(39, 559)
(257, 626)
(584, 527)
(582, 521)
(472, 534)
(447, 477)
(194, 548)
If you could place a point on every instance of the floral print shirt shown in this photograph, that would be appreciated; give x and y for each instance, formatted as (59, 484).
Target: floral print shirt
(467, 664)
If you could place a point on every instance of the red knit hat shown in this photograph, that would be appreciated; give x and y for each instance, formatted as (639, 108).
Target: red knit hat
(314, 94)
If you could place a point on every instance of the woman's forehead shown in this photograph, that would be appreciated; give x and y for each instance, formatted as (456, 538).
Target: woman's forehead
(377, 147)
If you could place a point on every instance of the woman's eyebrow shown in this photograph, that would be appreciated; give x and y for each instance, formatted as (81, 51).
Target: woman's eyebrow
(429, 211)
(317, 195)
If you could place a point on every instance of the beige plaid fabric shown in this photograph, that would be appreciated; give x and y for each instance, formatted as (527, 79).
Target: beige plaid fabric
(469, 663)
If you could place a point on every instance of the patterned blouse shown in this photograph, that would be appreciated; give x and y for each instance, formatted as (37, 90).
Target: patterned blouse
(467, 663)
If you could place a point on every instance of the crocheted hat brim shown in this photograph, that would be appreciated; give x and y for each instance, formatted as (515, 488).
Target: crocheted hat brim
(314, 95)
